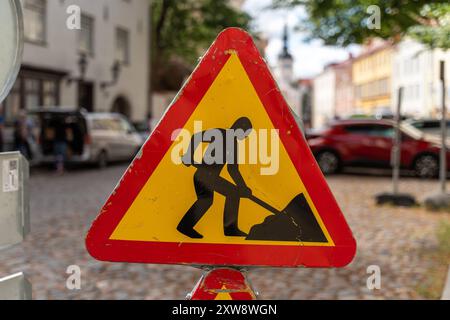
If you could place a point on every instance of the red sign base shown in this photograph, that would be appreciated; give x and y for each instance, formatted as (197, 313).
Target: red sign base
(223, 284)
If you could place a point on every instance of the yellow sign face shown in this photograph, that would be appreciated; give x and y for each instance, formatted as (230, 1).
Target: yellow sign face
(224, 296)
(170, 192)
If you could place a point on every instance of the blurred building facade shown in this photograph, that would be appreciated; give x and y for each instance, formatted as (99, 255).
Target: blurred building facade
(102, 67)
(324, 97)
(333, 93)
(368, 84)
(305, 91)
(372, 76)
(344, 98)
(284, 75)
(417, 70)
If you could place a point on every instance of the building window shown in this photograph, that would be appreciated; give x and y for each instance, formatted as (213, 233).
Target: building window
(358, 92)
(39, 90)
(32, 93)
(418, 91)
(31, 90)
(49, 93)
(384, 88)
(86, 35)
(35, 20)
(122, 46)
(11, 107)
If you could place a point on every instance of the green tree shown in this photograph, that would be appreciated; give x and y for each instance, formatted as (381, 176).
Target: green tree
(435, 31)
(181, 31)
(344, 22)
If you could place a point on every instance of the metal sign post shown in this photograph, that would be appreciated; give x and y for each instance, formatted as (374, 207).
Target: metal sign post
(441, 200)
(443, 160)
(395, 198)
(397, 147)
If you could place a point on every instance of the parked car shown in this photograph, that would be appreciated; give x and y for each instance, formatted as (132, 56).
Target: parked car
(143, 128)
(369, 143)
(96, 138)
(429, 126)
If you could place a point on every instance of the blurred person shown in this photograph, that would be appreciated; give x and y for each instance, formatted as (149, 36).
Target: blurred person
(23, 134)
(60, 145)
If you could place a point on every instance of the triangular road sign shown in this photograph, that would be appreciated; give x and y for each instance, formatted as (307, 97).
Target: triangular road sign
(226, 178)
(223, 284)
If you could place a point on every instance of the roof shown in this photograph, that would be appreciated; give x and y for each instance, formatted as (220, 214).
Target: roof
(307, 81)
(373, 51)
(336, 65)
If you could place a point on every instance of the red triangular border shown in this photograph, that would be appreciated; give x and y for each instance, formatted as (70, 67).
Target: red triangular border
(233, 280)
(230, 40)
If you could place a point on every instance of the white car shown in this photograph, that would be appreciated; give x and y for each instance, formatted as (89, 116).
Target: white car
(97, 138)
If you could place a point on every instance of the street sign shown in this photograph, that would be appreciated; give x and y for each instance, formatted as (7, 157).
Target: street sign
(223, 284)
(12, 44)
(226, 178)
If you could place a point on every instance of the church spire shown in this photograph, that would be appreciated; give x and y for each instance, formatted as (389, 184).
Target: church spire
(285, 54)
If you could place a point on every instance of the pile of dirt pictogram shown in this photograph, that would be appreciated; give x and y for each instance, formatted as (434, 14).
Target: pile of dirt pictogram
(295, 223)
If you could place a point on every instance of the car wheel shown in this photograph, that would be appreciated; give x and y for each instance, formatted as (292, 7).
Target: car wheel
(102, 160)
(328, 162)
(426, 166)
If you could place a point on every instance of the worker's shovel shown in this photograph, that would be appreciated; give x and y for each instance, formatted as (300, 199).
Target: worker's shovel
(295, 223)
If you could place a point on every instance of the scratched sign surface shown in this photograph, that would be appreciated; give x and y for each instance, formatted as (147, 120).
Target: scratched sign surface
(226, 178)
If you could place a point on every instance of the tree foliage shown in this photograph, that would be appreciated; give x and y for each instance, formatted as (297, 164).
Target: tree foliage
(435, 33)
(182, 30)
(344, 22)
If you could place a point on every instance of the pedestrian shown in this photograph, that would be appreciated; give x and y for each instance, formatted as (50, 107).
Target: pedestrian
(60, 144)
(22, 135)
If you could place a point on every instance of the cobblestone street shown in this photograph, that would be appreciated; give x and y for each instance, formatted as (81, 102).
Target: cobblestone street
(62, 208)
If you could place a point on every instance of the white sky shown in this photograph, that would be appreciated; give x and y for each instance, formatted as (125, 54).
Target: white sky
(310, 58)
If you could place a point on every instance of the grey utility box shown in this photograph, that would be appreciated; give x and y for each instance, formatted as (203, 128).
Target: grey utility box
(15, 287)
(14, 199)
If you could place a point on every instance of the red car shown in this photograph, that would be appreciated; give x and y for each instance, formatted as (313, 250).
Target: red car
(369, 143)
